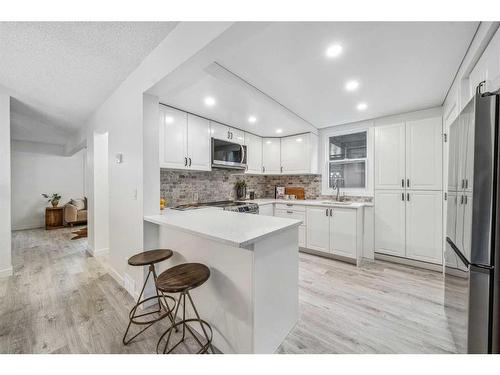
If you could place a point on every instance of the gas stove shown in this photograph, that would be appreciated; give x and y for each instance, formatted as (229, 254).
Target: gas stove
(245, 207)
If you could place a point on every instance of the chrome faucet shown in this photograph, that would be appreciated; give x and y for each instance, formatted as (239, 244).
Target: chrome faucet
(337, 182)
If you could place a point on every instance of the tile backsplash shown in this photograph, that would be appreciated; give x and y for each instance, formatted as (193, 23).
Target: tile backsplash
(181, 187)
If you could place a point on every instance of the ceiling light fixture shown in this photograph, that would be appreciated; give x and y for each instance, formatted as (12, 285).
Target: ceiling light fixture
(333, 51)
(209, 101)
(361, 106)
(352, 85)
(279, 131)
(252, 119)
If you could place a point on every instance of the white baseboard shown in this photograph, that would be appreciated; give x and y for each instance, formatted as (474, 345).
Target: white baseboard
(409, 262)
(99, 252)
(6, 272)
(26, 227)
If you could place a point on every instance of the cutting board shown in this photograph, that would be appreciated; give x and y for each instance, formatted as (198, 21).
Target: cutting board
(297, 191)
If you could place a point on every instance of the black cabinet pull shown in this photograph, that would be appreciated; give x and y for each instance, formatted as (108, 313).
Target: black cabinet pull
(326, 212)
(402, 182)
(403, 196)
(189, 161)
(331, 211)
(461, 199)
(228, 134)
(465, 199)
(407, 182)
(185, 161)
(408, 197)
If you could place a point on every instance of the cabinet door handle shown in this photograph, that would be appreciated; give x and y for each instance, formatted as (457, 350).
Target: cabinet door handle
(408, 197)
(331, 211)
(263, 169)
(465, 199)
(403, 196)
(289, 212)
(326, 212)
(289, 204)
(231, 135)
(463, 184)
(466, 183)
(281, 169)
(228, 134)
(189, 161)
(185, 161)
(407, 182)
(402, 182)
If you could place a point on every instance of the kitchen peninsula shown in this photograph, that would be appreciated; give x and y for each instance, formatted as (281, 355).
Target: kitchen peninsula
(251, 298)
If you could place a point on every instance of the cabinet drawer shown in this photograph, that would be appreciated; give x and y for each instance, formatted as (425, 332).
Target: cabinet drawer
(291, 214)
(291, 207)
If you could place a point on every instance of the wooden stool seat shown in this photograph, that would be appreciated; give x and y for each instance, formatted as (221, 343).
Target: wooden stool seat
(183, 277)
(150, 257)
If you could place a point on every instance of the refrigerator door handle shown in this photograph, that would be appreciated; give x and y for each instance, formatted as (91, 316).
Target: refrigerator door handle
(458, 252)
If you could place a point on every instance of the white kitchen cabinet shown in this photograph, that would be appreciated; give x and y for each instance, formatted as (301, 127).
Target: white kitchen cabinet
(198, 143)
(271, 155)
(173, 138)
(424, 154)
(299, 154)
(184, 140)
(343, 232)
(266, 209)
(318, 229)
(390, 156)
(390, 222)
(226, 133)
(296, 215)
(254, 153)
(424, 226)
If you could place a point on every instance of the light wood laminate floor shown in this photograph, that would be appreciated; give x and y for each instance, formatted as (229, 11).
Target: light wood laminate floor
(61, 300)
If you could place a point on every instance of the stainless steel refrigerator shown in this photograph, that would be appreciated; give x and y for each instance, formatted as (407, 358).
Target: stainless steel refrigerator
(472, 251)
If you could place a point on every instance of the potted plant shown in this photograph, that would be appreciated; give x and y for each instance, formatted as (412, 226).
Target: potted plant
(241, 189)
(54, 198)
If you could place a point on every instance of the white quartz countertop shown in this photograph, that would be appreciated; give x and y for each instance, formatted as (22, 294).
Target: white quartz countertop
(311, 202)
(232, 228)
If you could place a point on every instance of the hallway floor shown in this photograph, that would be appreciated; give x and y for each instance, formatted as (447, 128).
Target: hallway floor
(61, 300)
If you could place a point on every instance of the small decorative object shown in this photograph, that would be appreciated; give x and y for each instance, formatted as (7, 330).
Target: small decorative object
(54, 198)
(241, 189)
(163, 203)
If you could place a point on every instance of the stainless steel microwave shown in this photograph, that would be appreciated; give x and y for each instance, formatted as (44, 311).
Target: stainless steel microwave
(228, 154)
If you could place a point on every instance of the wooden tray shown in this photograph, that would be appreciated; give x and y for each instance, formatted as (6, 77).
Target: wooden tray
(297, 191)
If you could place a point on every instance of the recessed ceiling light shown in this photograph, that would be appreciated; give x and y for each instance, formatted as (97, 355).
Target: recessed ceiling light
(169, 119)
(361, 106)
(252, 119)
(351, 85)
(209, 101)
(334, 50)
(299, 139)
(279, 131)
(268, 142)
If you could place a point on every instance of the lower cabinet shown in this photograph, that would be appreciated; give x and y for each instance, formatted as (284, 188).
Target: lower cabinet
(297, 215)
(266, 209)
(408, 224)
(334, 230)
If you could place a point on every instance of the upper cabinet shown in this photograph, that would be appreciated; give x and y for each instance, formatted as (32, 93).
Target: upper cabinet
(271, 155)
(390, 156)
(299, 154)
(409, 155)
(226, 133)
(424, 154)
(184, 141)
(254, 153)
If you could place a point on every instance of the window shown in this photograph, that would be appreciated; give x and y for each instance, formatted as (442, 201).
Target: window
(347, 161)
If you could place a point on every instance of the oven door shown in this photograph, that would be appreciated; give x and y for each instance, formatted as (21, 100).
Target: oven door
(228, 155)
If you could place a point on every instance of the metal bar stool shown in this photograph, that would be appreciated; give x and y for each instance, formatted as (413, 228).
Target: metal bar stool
(181, 279)
(149, 258)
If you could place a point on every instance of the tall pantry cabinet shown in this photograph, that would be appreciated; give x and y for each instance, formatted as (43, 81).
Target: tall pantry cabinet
(409, 189)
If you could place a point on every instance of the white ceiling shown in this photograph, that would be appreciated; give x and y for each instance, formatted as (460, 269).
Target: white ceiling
(400, 66)
(62, 71)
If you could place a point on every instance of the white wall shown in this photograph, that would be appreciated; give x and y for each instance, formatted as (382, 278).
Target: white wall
(121, 115)
(34, 173)
(100, 238)
(5, 235)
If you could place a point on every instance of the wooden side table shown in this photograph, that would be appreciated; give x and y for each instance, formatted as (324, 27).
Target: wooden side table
(54, 217)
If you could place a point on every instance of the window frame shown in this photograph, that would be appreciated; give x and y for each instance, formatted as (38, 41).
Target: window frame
(368, 189)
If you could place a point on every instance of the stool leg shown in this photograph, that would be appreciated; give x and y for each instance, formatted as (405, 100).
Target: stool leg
(170, 332)
(124, 340)
(158, 293)
(199, 319)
